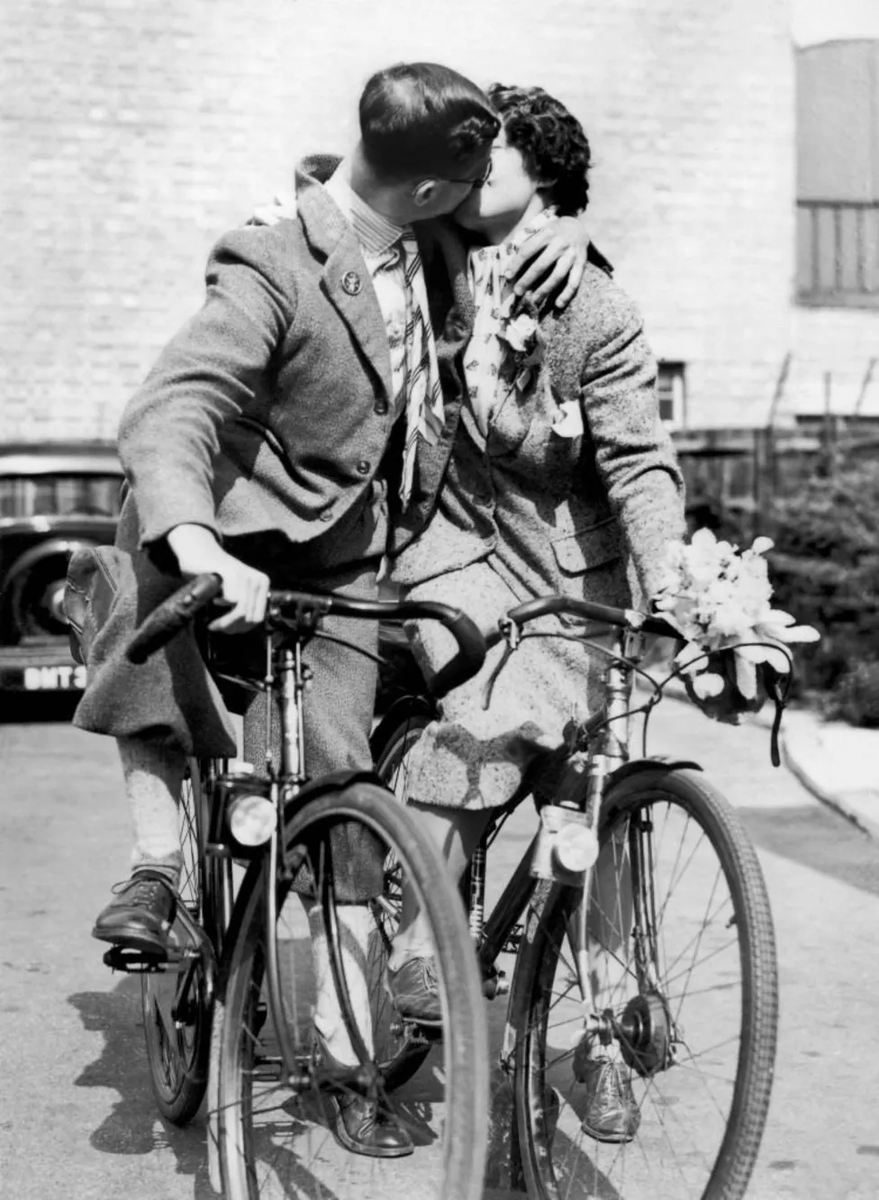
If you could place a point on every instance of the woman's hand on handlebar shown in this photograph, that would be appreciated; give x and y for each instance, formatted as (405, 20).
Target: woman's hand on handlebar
(245, 589)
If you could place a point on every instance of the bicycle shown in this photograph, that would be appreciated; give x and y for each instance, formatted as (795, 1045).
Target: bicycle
(231, 1006)
(640, 925)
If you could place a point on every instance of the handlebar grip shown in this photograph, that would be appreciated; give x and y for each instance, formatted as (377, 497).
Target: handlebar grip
(171, 616)
(623, 618)
(468, 660)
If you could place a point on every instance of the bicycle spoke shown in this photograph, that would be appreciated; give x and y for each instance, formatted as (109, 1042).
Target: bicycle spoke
(668, 992)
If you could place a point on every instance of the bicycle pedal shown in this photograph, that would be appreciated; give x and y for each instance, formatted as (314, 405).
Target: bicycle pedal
(133, 962)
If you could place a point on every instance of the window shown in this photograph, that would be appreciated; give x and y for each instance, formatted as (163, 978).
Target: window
(671, 392)
(60, 496)
(837, 211)
(838, 253)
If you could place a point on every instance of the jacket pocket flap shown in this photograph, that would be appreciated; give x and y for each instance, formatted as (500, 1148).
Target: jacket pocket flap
(587, 548)
(93, 576)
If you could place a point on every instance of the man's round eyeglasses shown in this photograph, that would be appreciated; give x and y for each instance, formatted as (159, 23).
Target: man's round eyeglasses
(475, 183)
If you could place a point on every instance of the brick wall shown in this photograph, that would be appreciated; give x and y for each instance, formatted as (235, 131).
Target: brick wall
(133, 134)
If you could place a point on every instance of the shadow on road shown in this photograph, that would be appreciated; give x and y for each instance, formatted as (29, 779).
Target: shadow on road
(815, 837)
(134, 1126)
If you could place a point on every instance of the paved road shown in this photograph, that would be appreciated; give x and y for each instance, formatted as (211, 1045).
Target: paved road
(76, 1117)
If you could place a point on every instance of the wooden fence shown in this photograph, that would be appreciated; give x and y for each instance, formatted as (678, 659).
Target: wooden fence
(733, 475)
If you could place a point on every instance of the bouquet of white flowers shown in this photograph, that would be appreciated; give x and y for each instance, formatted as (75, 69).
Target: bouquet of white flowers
(719, 599)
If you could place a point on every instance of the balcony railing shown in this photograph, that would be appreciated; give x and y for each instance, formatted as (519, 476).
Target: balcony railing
(838, 253)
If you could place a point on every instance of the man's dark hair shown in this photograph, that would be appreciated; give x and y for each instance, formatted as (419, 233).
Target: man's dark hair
(424, 121)
(551, 141)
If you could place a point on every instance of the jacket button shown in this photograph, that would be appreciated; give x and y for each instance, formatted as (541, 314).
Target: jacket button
(363, 467)
(381, 408)
(326, 516)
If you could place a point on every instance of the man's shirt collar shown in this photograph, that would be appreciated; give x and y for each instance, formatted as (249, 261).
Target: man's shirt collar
(375, 233)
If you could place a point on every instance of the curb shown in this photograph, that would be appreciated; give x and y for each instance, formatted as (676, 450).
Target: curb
(844, 803)
(840, 802)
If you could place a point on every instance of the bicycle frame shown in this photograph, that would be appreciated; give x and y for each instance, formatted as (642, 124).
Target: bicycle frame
(287, 676)
(600, 750)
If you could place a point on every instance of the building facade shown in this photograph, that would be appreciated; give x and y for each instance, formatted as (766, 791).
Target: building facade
(133, 134)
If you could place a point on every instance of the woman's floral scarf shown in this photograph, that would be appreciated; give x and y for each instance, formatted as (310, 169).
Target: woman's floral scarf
(505, 350)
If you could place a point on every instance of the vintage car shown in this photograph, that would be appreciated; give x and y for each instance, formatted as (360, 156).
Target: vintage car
(54, 498)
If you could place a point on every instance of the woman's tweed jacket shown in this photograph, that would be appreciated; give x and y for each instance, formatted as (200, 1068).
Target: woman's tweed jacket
(526, 511)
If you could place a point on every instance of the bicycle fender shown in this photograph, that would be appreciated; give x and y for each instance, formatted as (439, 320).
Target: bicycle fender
(638, 765)
(335, 781)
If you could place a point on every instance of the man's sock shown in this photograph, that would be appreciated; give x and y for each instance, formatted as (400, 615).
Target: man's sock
(153, 778)
(355, 923)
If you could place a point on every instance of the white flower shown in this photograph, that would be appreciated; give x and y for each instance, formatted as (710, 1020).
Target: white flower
(520, 332)
(720, 598)
(707, 684)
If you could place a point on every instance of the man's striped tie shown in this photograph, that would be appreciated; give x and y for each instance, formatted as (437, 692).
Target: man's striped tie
(424, 397)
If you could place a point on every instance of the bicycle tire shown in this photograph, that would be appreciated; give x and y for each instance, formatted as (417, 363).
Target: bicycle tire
(675, 1059)
(400, 1052)
(258, 1145)
(175, 1000)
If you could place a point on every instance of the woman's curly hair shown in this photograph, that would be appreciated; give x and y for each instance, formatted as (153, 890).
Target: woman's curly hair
(550, 140)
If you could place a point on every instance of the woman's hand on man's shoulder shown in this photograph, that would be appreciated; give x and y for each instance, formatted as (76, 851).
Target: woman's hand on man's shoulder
(552, 261)
(281, 207)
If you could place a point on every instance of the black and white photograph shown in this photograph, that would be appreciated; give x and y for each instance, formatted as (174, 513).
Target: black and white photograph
(439, 600)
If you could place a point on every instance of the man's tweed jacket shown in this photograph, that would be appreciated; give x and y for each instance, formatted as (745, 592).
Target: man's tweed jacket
(270, 411)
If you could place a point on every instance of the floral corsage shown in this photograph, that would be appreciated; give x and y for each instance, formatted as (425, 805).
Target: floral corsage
(719, 599)
(525, 348)
(520, 333)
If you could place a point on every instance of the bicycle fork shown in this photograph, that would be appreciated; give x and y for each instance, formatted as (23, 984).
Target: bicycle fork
(293, 681)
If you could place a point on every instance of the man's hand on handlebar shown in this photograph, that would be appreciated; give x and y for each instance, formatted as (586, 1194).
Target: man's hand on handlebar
(245, 589)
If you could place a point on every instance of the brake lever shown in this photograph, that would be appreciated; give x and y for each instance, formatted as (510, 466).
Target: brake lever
(512, 634)
(774, 692)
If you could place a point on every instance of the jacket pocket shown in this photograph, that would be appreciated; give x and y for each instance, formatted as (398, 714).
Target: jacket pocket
(588, 548)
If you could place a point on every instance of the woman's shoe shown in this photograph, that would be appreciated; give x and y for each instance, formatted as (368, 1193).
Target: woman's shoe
(611, 1113)
(415, 991)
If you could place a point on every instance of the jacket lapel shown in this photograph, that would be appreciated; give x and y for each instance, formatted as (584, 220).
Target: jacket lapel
(346, 278)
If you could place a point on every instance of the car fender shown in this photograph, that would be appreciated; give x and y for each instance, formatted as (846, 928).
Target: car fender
(47, 549)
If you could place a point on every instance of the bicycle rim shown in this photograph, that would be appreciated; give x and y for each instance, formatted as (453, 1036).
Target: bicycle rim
(682, 967)
(400, 1049)
(175, 1001)
(275, 1134)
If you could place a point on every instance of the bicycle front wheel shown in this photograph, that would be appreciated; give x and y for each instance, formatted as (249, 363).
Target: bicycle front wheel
(274, 1125)
(678, 988)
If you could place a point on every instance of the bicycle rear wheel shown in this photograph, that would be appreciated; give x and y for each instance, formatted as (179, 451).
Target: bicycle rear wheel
(274, 1130)
(683, 977)
(176, 995)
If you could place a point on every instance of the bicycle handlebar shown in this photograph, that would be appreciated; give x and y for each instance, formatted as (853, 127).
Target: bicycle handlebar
(171, 616)
(625, 618)
(180, 609)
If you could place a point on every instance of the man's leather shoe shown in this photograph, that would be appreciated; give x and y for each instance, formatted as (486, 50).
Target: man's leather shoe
(367, 1127)
(611, 1113)
(415, 991)
(139, 916)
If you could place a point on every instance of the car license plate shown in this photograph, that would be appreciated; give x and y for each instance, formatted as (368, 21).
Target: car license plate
(54, 679)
